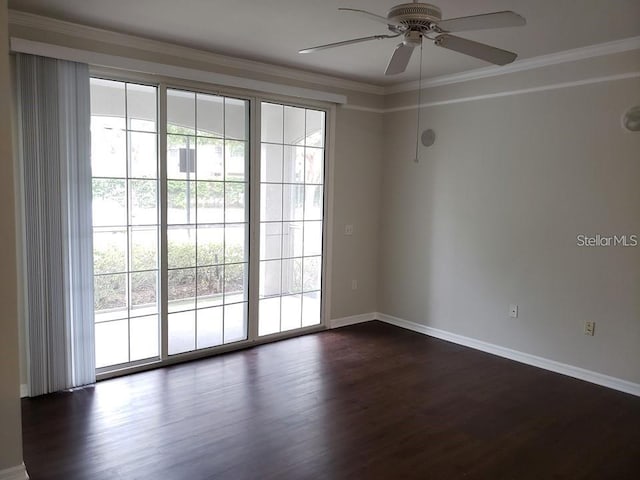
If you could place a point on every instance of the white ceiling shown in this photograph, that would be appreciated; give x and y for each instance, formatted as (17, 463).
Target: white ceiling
(274, 30)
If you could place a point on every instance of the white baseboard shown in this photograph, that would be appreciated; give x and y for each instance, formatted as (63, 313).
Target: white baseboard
(18, 472)
(545, 363)
(352, 320)
(24, 390)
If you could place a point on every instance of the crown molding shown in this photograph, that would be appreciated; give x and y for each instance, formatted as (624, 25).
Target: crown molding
(582, 53)
(48, 24)
(508, 93)
(360, 108)
(20, 45)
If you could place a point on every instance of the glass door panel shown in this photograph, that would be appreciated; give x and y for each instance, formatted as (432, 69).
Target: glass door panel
(292, 159)
(207, 220)
(124, 162)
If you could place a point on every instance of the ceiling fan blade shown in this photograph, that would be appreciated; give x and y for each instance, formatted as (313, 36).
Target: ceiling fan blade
(399, 60)
(480, 22)
(345, 42)
(372, 16)
(475, 49)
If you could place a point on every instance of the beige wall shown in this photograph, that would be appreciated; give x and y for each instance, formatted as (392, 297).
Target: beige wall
(10, 429)
(359, 141)
(490, 215)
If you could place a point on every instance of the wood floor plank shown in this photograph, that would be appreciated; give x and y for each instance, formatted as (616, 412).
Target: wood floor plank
(369, 401)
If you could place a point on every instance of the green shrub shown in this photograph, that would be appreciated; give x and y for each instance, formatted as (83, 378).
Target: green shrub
(110, 287)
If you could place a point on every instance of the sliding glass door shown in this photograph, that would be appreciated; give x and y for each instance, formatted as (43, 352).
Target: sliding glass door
(124, 163)
(207, 220)
(292, 163)
(173, 234)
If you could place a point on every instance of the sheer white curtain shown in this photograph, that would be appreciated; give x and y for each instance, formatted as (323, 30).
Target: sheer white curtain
(54, 109)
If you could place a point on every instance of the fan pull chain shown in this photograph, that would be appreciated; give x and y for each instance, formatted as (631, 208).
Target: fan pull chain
(418, 106)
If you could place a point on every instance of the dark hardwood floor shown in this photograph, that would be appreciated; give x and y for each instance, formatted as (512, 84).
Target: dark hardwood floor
(370, 401)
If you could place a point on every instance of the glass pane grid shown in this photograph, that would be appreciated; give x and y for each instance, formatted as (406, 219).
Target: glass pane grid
(291, 217)
(287, 258)
(199, 135)
(98, 177)
(209, 151)
(118, 319)
(198, 309)
(170, 269)
(298, 184)
(291, 144)
(124, 272)
(131, 130)
(125, 204)
(231, 328)
(100, 227)
(208, 189)
(125, 130)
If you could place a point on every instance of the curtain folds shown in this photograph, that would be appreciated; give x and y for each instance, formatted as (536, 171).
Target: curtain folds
(54, 109)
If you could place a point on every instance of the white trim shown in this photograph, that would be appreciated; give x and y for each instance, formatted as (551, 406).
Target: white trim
(352, 320)
(526, 358)
(582, 53)
(141, 66)
(542, 88)
(349, 106)
(331, 120)
(507, 93)
(19, 472)
(152, 68)
(253, 244)
(24, 390)
(39, 22)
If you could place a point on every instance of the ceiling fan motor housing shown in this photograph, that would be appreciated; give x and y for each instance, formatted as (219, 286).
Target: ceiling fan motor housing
(416, 16)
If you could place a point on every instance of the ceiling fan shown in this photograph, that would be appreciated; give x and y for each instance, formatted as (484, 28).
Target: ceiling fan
(415, 21)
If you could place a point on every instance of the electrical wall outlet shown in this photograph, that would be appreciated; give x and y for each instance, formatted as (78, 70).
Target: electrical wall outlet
(354, 284)
(590, 328)
(348, 229)
(513, 311)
